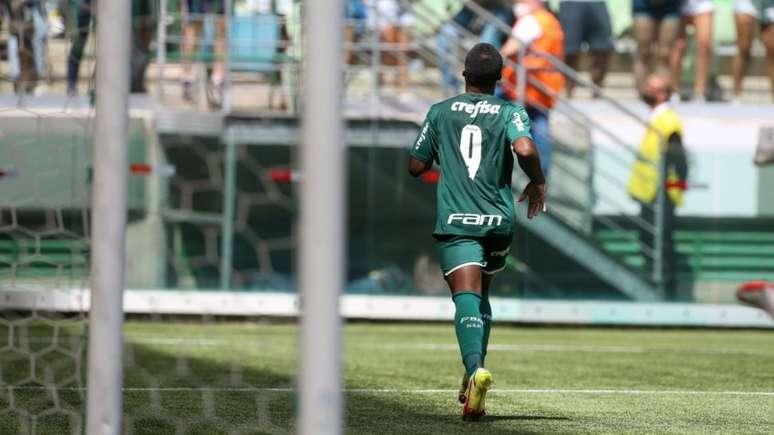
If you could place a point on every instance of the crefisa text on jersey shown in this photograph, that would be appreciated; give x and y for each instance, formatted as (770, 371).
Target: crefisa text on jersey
(422, 135)
(474, 109)
(475, 219)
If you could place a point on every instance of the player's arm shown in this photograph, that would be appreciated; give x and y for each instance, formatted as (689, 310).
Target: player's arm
(518, 131)
(424, 150)
(529, 162)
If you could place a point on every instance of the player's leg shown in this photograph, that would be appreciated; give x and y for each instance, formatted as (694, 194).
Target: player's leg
(496, 250)
(465, 285)
(461, 261)
(486, 315)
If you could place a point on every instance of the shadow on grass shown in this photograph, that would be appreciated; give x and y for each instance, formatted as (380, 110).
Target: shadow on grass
(202, 391)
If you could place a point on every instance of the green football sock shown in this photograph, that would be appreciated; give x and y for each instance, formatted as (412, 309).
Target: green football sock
(469, 328)
(486, 316)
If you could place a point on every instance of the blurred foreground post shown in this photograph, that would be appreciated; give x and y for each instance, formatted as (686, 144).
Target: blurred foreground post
(322, 231)
(111, 165)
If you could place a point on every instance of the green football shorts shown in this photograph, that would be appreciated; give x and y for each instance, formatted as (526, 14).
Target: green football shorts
(488, 252)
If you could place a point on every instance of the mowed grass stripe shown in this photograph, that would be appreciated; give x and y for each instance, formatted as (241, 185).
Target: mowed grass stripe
(527, 347)
(412, 391)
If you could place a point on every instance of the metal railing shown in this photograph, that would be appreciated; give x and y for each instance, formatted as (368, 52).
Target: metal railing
(627, 148)
(257, 48)
(365, 62)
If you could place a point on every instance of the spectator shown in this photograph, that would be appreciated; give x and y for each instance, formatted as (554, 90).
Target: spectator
(83, 11)
(355, 25)
(746, 12)
(448, 37)
(393, 22)
(662, 141)
(655, 22)
(699, 14)
(536, 30)
(28, 28)
(143, 28)
(586, 21)
(192, 25)
(503, 11)
(446, 44)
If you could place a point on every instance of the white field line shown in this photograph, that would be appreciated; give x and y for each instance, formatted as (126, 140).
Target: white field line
(210, 342)
(418, 391)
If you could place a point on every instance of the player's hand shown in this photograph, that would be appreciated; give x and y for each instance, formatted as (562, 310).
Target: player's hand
(536, 192)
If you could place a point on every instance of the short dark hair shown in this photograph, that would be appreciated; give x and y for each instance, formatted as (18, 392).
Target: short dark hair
(483, 65)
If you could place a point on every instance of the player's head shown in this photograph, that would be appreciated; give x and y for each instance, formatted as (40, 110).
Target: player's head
(483, 67)
(655, 90)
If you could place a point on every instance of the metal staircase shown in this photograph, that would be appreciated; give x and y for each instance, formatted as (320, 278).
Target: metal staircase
(568, 227)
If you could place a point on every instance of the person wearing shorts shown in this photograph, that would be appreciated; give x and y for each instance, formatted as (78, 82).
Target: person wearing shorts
(472, 137)
(699, 14)
(746, 13)
(488, 252)
(655, 22)
(193, 16)
(586, 21)
(393, 22)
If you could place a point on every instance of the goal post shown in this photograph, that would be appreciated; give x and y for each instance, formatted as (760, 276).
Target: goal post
(109, 208)
(322, 233)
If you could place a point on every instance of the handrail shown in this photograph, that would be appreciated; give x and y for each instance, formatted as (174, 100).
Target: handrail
(573, 113)
(557, 63)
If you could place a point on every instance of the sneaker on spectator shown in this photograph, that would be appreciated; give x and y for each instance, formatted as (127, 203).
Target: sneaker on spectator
(215, 93)
(188, 91)
(674, 98)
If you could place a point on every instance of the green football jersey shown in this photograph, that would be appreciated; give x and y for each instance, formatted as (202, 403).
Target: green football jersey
(470, 136)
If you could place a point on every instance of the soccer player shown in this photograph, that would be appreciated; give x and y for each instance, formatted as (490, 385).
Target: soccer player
(471, 136)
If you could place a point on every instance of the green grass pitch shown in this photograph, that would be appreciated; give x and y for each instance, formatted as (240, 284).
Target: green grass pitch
(223, 378)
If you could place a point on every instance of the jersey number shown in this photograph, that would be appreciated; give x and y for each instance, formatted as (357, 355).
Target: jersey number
(470, 148)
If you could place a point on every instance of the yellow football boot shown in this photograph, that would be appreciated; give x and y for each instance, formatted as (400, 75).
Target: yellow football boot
(475, 395)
